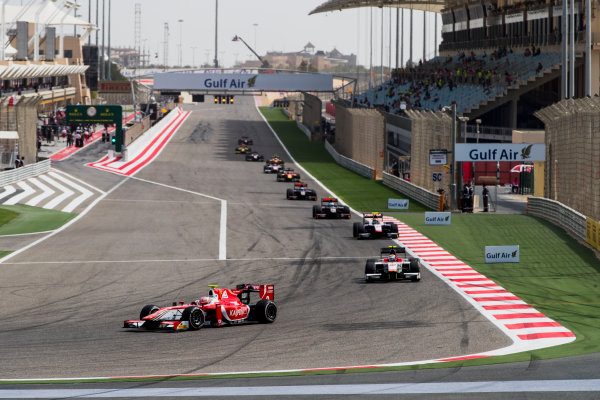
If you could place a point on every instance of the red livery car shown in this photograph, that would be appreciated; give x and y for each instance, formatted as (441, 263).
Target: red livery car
(221, 306)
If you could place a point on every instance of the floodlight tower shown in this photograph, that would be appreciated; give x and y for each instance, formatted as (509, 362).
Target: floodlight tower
(166, 46)
(137, 32)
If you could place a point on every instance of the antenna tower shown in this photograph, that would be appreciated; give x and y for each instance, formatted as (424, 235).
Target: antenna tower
(137, 34)
(166, 46)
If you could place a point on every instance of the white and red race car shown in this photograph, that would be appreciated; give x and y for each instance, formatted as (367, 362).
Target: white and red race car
(220, 307)
(372, 226)
(393, 265)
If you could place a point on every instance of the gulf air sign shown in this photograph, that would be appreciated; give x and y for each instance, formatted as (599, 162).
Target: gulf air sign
(502, 254)
(519, 152)
(284, 82)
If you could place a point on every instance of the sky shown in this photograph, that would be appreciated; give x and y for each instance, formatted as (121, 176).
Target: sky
(266, 25)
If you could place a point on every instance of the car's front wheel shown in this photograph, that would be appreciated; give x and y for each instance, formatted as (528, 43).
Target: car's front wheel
(148, 309)
(194, 316)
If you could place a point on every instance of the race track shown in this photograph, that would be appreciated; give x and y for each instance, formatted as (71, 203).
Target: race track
(155, 239)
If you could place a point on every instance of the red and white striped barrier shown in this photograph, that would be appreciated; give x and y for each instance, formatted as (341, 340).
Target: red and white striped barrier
(146, 148)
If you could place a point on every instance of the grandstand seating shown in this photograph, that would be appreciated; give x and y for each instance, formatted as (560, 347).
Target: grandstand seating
(468, 95)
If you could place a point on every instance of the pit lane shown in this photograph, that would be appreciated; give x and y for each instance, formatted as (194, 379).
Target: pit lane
(64, 299)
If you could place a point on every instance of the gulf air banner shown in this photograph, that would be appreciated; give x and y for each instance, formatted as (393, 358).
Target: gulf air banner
(187, 81)
(520, 152)
(592, 232)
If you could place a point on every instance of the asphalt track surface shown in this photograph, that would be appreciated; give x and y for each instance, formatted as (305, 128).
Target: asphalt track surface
(64, 299)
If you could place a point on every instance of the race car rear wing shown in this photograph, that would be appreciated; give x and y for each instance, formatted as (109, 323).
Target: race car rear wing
(265, 292)
(390, 249)
(299, 184)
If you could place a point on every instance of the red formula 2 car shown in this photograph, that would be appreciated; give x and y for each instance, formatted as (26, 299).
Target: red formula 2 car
(331, 208)
(220, 307)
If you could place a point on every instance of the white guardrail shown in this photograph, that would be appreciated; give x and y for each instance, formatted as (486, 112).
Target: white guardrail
(303, 129)
(352, 165)
(15, 175)
(425, 197)
(557, 213)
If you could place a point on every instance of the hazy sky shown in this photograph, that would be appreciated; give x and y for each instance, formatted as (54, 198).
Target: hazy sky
(281, 25)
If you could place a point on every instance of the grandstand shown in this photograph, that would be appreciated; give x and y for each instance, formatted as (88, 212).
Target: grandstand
(507, 66)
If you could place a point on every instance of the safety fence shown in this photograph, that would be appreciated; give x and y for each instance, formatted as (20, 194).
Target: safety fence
(303, 129)
(425, 197)
(352, 165)
(15, 175)
(557, 213)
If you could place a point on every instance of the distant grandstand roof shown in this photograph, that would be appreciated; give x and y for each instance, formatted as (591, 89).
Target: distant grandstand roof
(339, 5)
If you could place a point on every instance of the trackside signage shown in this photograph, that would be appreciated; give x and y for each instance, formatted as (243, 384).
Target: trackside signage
(519, 152)
(437, 218)
(502, 254)
(186, 81)
(398, 204)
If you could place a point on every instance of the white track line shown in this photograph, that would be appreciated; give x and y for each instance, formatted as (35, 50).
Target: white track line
(27, 191)
(66, 193)
(79, 199)
(71, 177)
(46, 192)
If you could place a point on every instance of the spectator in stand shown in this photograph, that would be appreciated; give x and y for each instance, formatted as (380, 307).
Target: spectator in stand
(539, 68)
(527, 52)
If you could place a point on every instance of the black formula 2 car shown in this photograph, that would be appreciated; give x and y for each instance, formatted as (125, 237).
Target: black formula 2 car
(301, 192)
(330, 208)
(393, 265)
(372, 226)
(254, 156)
(245, 140)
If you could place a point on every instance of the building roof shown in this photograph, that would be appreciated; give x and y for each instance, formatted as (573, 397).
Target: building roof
(44, 13)
(20, 71)
(339, 5)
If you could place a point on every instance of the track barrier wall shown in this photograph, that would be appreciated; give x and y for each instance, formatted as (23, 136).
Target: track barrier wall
(350, 164)
(559, 214)
(28, 171)
(429, 199)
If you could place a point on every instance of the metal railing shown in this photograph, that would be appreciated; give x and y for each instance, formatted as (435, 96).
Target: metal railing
(350, 164)
(557, 213)
(15, 175)
(425, 197)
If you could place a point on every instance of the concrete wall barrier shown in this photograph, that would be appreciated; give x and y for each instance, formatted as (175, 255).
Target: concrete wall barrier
(28, 171)
(559, 214)
(429, 199)
(350, 164)
(137, 129)
(303, 129)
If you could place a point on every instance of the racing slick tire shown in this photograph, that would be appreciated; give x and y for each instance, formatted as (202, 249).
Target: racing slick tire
(289, 194)
(316, 210)
(346, 210)
(357, 229)
(266, 311)
(393, 228)
(414, 267)
(369, 268)
(194, 316)
(148, 309)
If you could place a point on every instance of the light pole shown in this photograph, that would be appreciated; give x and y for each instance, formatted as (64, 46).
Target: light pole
(216, 33)
(180, 41)
(477, 123)
(464, 121)
(193, 56)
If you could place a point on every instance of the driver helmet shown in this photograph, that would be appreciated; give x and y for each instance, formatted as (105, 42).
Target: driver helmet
(392, 257)
(375, 222)
(331, 204)
(204, 300)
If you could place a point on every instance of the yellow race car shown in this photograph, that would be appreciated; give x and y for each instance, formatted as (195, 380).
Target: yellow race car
(243, 149)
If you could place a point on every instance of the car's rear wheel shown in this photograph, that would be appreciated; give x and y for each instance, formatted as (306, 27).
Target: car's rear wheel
(415, 268)
(194, 316)
(266, 311)
(394, 227)
(289, 194)
(148, 309)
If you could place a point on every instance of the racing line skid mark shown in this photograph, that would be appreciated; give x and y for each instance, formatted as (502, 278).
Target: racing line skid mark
(527, 327)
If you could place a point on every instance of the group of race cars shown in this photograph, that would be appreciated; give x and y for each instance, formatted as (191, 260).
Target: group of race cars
(240, 305)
